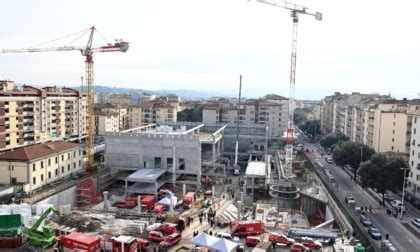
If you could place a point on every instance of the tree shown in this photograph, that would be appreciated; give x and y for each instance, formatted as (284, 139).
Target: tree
(352, 154)
(331, 139)
(299, 117)
(190, 115)
(312, 128)
(383, 173)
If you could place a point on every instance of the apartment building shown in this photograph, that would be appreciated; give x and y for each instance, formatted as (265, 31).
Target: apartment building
(271, 110)
(413, 183)
(30, 115)
(339, 112)
(121, 111)
(38, 165)
(145, 97)
(106, 121)
(156, 111)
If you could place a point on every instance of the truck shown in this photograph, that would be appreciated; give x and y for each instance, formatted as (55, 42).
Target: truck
(46, 237)
(81, 242)
(247, 228)
(189, 200)
(127, 203)
(280, 238)
(147, 203)
(119, 244)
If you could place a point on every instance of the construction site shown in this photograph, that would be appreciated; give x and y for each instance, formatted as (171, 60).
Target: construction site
(183, 186)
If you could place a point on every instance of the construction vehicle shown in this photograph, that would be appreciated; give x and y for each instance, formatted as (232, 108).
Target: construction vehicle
(189, 200)
(86, 51)
(247, 228)
(46, 237)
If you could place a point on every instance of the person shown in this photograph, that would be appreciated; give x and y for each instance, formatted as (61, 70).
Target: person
(387, 236)
(210, 233)
(201, 220)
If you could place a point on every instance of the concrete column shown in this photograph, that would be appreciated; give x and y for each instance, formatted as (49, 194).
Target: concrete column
(218, 147)
(106, 200)
(174, 164)
(156, 190)
(213, 151)
(126, 188)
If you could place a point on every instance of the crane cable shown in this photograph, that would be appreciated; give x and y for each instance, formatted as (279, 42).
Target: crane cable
(54, 40)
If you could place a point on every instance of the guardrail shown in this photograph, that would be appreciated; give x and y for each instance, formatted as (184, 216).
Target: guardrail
(350, 219)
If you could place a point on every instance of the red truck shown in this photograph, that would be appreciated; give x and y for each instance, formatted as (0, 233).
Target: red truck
(167, 228)
(127, 203)
(311, 243)
(118, 244)
(188, 200)
(159, 209)
(78, 241)
(170, 240)
(247, 228)
(156, 236)
(147, 203)
(280, 238)
(142, 243)
(252, 241)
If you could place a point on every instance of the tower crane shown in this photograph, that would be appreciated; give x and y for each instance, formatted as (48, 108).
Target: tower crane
(86, 51)
(296, 10)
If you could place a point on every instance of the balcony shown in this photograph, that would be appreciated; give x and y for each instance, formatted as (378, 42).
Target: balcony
(27, 113)
(28, 105)
(28, 128)
(28, 120)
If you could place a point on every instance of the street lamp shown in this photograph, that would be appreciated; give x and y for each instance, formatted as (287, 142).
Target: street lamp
(403, 189)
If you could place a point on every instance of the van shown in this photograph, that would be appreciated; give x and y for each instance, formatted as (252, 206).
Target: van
(224, 235)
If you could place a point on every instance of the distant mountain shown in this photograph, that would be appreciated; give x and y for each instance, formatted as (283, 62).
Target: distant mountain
(185, 93)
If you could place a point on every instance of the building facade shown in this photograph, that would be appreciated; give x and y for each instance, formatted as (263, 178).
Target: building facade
(271, 110)
(151, 112)
(30, 115)
(38, 165)
(106, 122)
(413, 183)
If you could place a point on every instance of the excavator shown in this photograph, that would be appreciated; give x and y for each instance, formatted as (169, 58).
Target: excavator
(46, 237)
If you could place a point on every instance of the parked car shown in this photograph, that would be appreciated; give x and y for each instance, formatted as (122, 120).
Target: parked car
(374, 233)
(416, 222)
(142, 243)
(409, 198)
(329, 160)
(387, 196)
(224, 235)
(252, 241)
(416, 203)
(365, 220)
(311, 243)
(398, 205)
(170, 240)
(156, 236)
(299, 247)
(280, 238)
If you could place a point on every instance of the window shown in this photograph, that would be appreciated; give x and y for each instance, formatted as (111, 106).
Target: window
(414, 131)
(49, 174)
(412, 154)
(33, 167)
(393, 131)
(393, 139)
(393, 123)
(181, 163)
(80, 163)
(74, 153)
(33, 180)
(42, 177)
(158, 162)
(56, 160)
(49, 161)
(169, 162)
(392, 147)
(56, 172)
(42, 164)
(395, 115)
(68, 155)
(62, 157)
(68, 167)
(62, 169)
(74, 165)
(415, 119)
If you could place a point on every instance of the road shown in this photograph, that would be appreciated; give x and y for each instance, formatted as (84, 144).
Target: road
(399, 235)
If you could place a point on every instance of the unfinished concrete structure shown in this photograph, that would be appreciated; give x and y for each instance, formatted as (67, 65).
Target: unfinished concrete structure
(257, 179)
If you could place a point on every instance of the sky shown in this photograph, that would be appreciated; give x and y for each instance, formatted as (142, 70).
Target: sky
(359, 46)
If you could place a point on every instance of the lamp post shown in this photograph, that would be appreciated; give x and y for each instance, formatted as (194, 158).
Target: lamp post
(403, 189)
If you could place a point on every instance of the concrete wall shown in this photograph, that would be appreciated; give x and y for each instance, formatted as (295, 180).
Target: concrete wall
(135, 151)
(62, 198)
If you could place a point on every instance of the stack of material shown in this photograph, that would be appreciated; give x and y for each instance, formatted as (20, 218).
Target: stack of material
(64, 209)
(87, 192)
(23, 209)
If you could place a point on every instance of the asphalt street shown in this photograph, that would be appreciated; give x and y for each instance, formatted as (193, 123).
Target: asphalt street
(399, 235)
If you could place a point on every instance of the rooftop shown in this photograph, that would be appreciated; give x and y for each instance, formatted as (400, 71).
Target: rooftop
(256, 168)
(37, 151)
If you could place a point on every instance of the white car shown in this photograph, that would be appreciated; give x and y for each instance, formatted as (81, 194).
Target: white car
(397, 204)
(416, 222)
(153, 227)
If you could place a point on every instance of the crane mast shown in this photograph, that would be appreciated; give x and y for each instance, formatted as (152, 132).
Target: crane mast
(296, 10)
(86, 51)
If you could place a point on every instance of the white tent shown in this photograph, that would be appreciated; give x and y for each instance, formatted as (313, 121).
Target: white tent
(224, 245)
(165, 201)
(204, 240)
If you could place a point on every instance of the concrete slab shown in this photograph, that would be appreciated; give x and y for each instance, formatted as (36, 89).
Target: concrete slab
(146, 175)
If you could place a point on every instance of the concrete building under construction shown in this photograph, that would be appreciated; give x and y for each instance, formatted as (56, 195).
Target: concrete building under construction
(177, 153)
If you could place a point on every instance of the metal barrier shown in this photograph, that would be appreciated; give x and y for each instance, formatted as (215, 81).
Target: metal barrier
(350, 220)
